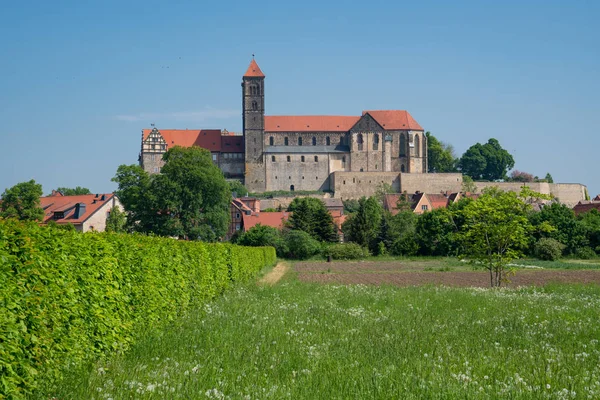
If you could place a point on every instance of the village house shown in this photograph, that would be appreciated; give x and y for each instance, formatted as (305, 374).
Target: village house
(87, 212)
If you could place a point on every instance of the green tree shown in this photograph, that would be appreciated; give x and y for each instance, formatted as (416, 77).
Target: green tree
(188, 199)
(401, 233)
(363, 227)
(564, 227)
(440, 155)
(435, 233)
(65, 191)
(301, 245)
(548, 178)
(591, 223)
(237, 188)
(468, 185)
(495, 231)
(350, 206)
(22, 201)
(116, 220)
(262, 235)
(311, 216)
(486, 162)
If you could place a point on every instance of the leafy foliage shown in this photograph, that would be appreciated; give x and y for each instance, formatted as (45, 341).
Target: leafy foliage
(435, 233)
(495, 231)
(311, 216)
(301, 245)
(346, 251)
(70, 297)
(351, 206)
(236, 187)
(116, 221)
(521, 176)
(22, 202)
(486, 162)
(565, 227)
(548, 249)
(363, 227)
(440, 156)
(262, 235)
(189, 199)
(65, 191)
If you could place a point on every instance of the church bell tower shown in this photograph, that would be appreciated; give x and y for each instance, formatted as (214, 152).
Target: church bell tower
(253, 121)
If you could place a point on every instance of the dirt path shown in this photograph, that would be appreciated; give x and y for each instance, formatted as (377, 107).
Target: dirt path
(275, 274)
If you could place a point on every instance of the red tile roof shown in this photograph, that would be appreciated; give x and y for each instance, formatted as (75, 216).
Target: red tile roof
(394, 119)
(309, 123)
(585, 206)
(273, 219)
(210, 139)
(66, 204)
(438, 200)
(254, 70)
(232, 144)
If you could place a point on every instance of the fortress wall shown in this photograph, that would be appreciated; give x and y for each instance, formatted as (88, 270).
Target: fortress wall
(307, 175)
(354, 185)
(284, 201)
(568, 193)
(430, 183)
(540, 187)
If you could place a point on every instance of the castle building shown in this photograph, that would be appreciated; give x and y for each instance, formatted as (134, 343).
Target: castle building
(299, 152)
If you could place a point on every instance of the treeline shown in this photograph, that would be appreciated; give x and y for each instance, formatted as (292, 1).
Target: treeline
(480, 162)
(551, 233)
(69, 297)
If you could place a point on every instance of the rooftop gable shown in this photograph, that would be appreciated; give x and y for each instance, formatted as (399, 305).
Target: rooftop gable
(67, 205)
(393, 120)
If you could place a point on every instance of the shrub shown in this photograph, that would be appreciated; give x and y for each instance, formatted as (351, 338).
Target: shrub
(585, 253)
(548, 249)
(346, 251)
(69, 297)
(301, 245)
(262, 235)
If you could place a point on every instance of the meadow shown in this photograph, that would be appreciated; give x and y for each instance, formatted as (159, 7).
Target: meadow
(303, 340)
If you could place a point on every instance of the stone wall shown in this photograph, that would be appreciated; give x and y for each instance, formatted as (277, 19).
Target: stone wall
(232, 164)
(295, 174)
(278, 138)
(430, 183)
(151, 162)
(284, 201)
(567, 193)
(354, 185)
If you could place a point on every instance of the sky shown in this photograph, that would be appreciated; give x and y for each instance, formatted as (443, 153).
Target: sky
(79, 80)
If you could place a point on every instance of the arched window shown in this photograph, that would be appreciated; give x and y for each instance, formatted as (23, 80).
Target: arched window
(285, 141)
(359, 140)
(402, 168)
(258, 90)
(327, 141)
(254, 105)
(402, 146)
(376, 142)
(314, 141)
(302, 158)
(417, 146)
(271, 141)
(289, 159)
(291, 188)
(341, 140)
(316, 158)
(300, 141)
(272, 158)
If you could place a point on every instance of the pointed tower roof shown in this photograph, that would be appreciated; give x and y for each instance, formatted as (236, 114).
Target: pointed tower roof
(254, 70)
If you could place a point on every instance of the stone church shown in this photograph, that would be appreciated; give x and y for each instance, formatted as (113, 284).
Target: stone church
(300, 152)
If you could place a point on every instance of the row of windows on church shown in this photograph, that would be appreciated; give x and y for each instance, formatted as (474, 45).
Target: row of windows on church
(302, 159)
(286, 141)
(255, 90)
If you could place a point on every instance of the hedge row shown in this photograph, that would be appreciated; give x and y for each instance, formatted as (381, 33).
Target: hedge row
(68, 297)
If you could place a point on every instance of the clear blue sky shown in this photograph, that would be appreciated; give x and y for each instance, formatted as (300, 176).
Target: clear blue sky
(79, 80)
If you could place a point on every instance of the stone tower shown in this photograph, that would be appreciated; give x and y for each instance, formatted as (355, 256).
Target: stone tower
(253, 106)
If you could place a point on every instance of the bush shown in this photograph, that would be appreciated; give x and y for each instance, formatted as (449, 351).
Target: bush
(346, 251)
(548, 249)
(585, 253)
(262, 235)
(301, 245)
(69, 297)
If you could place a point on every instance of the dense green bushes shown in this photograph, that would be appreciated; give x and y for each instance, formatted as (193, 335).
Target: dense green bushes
(548, 249)
(68, 297)
(346, 251)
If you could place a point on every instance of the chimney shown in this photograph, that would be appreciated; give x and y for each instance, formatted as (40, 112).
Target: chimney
(103, 197)
(256, 205)
(79, 210)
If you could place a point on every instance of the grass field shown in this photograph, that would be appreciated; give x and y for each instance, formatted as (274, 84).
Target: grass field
(309, 341)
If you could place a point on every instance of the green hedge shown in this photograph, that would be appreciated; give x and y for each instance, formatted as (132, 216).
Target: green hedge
(68, 297)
